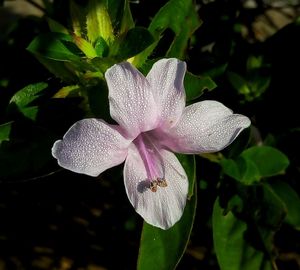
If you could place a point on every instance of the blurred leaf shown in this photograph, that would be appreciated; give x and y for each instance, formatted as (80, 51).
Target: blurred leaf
(195, 85)
(24, 97)
(98, 22)
(135, 41)
(269, 161)
(165, 248)
(232, 250)
(67, 91)
(53, 46)
(238, 83)
(78, 19)
(173, 15)
(291, 200)
(5, 131)
(57, 27)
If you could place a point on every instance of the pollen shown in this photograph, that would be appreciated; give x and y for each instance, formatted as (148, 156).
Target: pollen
(159, 182)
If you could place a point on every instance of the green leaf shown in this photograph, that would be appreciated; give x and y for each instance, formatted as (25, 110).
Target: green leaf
(5, 131)
(54, 46)
(120, 14)
(189, 164)
(166, 247)
(291, 200)
(24, 97)
(135, 41)
(241, 169)
(78, 19)
(238, 83)
(98, 21)
(127, 21)
(232, 249)
(181, 17)
(85, 46)
(195, 85)
(57, 27)
(101, 47)
(269, 161)
(58, 68)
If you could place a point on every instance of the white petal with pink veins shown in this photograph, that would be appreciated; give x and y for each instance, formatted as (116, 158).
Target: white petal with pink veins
(164, 207)
(206, 126)
(130, 99)
(90, 147)
(166, 81)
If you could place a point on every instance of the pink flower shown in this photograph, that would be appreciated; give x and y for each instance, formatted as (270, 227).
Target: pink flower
(153, 123)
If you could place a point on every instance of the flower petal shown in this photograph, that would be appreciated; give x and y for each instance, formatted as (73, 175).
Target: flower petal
(90, 146)
(131, 101)
(206, 126)
(166, 81)
(164, 207)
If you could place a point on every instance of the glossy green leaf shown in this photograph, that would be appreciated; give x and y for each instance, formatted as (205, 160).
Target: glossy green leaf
(23, 99)
(195, 85)
(269, 161)
(232, 249)
(135, 41)
(165, 248)
(291, 200)
(55, 46)
(5, 131)
(181, 17)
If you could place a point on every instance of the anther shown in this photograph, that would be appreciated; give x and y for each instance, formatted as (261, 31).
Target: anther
(153, 185)
(161, 182)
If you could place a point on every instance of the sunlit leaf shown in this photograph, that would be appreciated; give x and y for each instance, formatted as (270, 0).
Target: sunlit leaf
(78, 19)
(54, 46)
(85, 46)
(165, 248)
(232, 249)
(23, 99)
(98, 21)
(180, 16)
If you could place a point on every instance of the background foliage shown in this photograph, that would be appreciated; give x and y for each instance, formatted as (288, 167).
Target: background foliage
(243, 211)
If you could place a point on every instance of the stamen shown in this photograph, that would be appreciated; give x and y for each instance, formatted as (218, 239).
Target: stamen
(159, 182)
(153, 186)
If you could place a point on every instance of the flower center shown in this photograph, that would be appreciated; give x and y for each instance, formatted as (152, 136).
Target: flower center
(149, 151)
